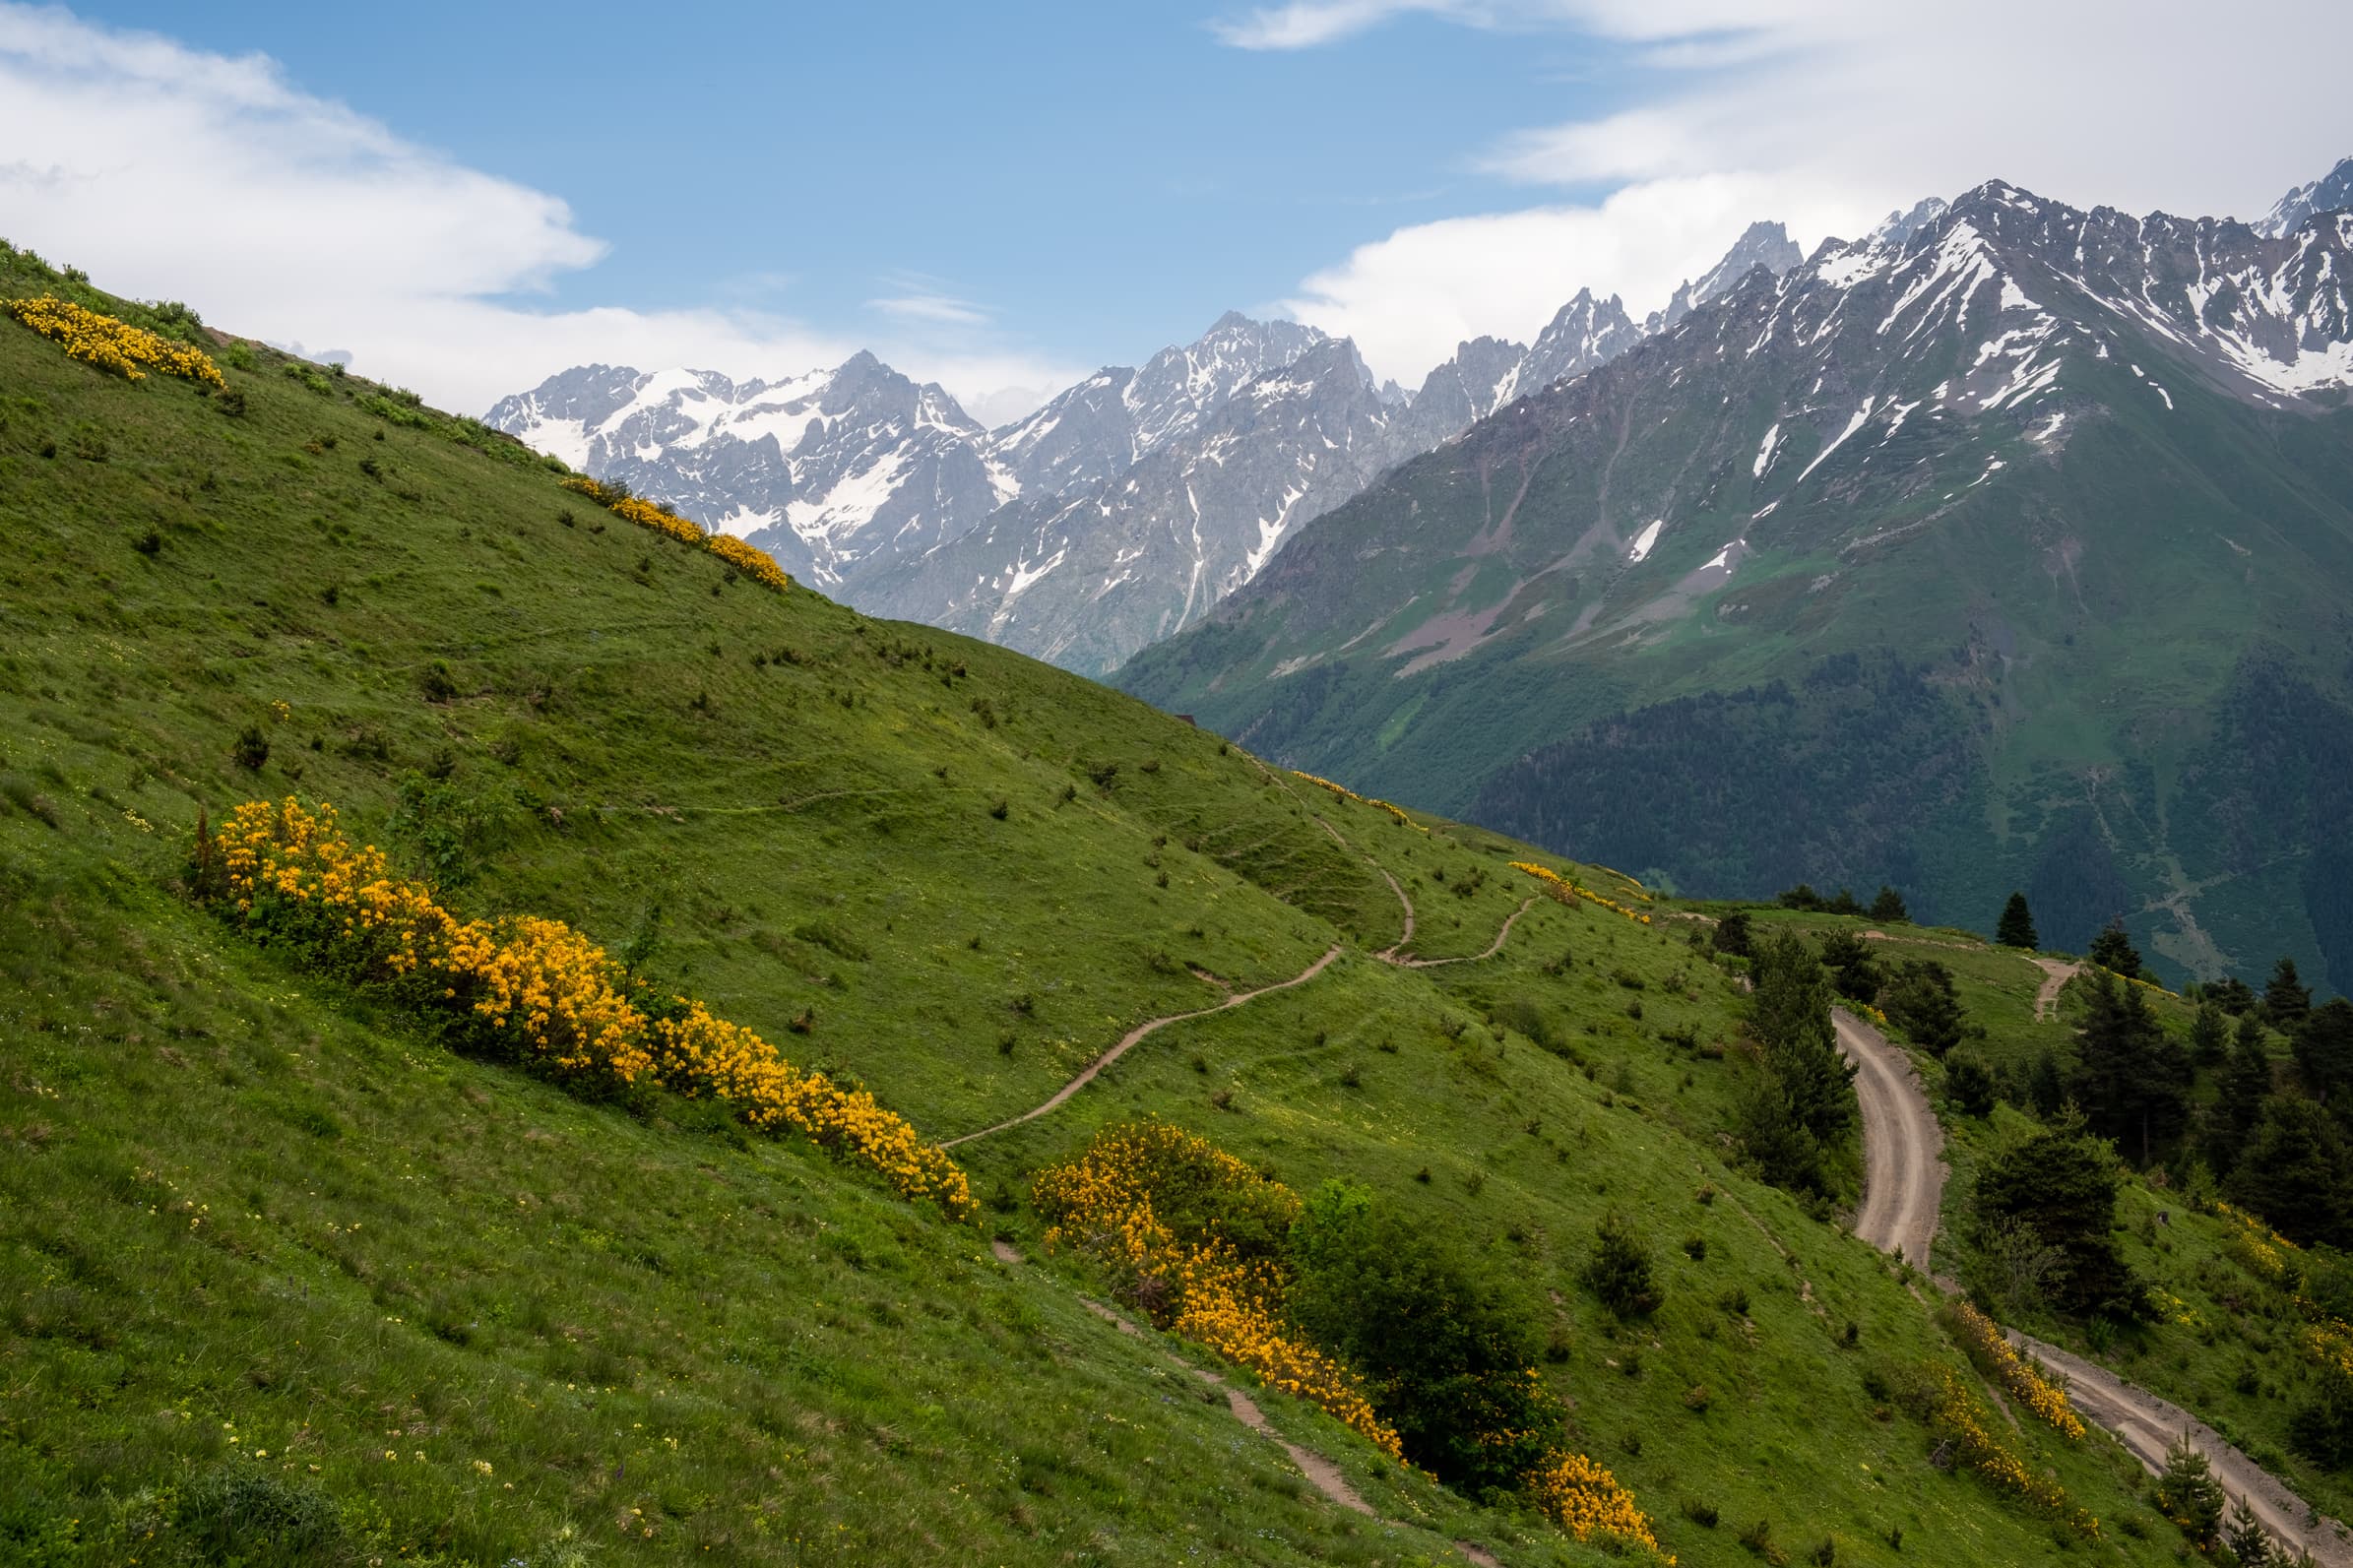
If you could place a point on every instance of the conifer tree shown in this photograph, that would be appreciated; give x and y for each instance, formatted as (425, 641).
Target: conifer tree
(1804, 1098)
(2131, 1079)
(2060, 1186)
(2294, 1172)
(2017, 924)
(1920, 998)
(2243, 1085)
(2244, 1533)
(2286, 999)
(1890, 905)
(2113, 950)
(2209, 1034)
(2190, 1495)
(2323, 1045)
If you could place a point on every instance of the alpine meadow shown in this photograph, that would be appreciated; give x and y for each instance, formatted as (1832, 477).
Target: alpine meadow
(1714, 934)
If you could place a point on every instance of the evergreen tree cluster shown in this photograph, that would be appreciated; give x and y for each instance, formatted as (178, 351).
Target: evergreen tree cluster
(1800, 1104)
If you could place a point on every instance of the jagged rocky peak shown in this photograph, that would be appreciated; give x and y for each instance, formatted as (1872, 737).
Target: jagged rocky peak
(1762, 244)
(1582, 334)
(2332, 192)
(1900, 226)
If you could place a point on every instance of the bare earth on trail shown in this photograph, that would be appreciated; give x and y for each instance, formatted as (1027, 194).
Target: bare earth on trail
(2055, 974)
(1903, 1187)
(2149, 1427)
(1904, 1170)
(1321, 1472)
(1128, 1039)
(1492, 948)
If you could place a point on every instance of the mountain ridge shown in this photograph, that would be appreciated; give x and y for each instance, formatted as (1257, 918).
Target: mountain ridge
(1936, 445)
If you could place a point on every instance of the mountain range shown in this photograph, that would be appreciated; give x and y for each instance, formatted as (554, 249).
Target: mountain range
(2008, 546)
(1117, 514)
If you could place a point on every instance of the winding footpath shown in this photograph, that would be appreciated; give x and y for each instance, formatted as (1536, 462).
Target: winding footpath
(1128, 1041)
(1389, 954)
(1903, 1189)
(1324, 1476)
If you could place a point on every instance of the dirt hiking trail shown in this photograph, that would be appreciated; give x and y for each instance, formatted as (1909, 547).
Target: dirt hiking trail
(1128, 1041)
(2055, 974)
(1324, 1476)
(1903, 1188)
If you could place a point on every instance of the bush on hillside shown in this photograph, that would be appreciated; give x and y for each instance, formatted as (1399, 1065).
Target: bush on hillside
(1619, 1270)
(1446, 1347)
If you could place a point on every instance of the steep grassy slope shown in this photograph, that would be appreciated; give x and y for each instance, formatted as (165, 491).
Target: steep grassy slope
(255, 1223)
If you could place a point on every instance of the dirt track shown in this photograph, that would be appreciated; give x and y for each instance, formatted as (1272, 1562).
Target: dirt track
(2055, 974)
(1903, 1148)
(1903, 1188)
(2149, 1427)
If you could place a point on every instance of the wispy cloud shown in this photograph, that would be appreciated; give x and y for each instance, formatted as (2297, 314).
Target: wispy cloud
(1311, 24)
(168, 172)
(943, 310)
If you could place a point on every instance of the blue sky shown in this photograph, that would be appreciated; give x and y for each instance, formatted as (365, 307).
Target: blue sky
(1104, 178)
(466, 199)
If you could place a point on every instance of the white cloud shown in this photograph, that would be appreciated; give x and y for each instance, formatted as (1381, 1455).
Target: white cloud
(1825, 114)
(167, 171)
(1310, 23)
(937, 308)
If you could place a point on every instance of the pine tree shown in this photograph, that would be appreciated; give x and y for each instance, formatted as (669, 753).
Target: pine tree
(2286, 999)
(2060, 1186)
(2209, 1034)
(2242, 1088)
(1890, 905)
(2294, 1172)
(1920, 1000)
(1854, 970)
(2132, 1078)
(1969, 1083)
(2323, 1045)
(2190, 1495)
(2046, 1090)
(2244, 1533)
(1804, 1098)
(2017, 924)
(1733, 934)
(2113, 950)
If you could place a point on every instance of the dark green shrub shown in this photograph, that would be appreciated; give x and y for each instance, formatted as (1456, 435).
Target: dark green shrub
(252, 748)
(1445, 1345)
(1619, 1270)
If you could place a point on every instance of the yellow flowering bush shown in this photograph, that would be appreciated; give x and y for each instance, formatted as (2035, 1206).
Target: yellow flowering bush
(1210, 1271)
(1563, 888)
(1346, 793)
(1632, 887)
(541, 990)
(113, 344)
(749, 559)
(1956, 1412)
(2000, 1360)
(1587, 1500)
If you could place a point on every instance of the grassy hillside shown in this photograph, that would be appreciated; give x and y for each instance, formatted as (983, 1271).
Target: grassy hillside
(274, 1260)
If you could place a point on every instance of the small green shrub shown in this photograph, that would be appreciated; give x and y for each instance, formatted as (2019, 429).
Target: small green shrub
(1619, 1270)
